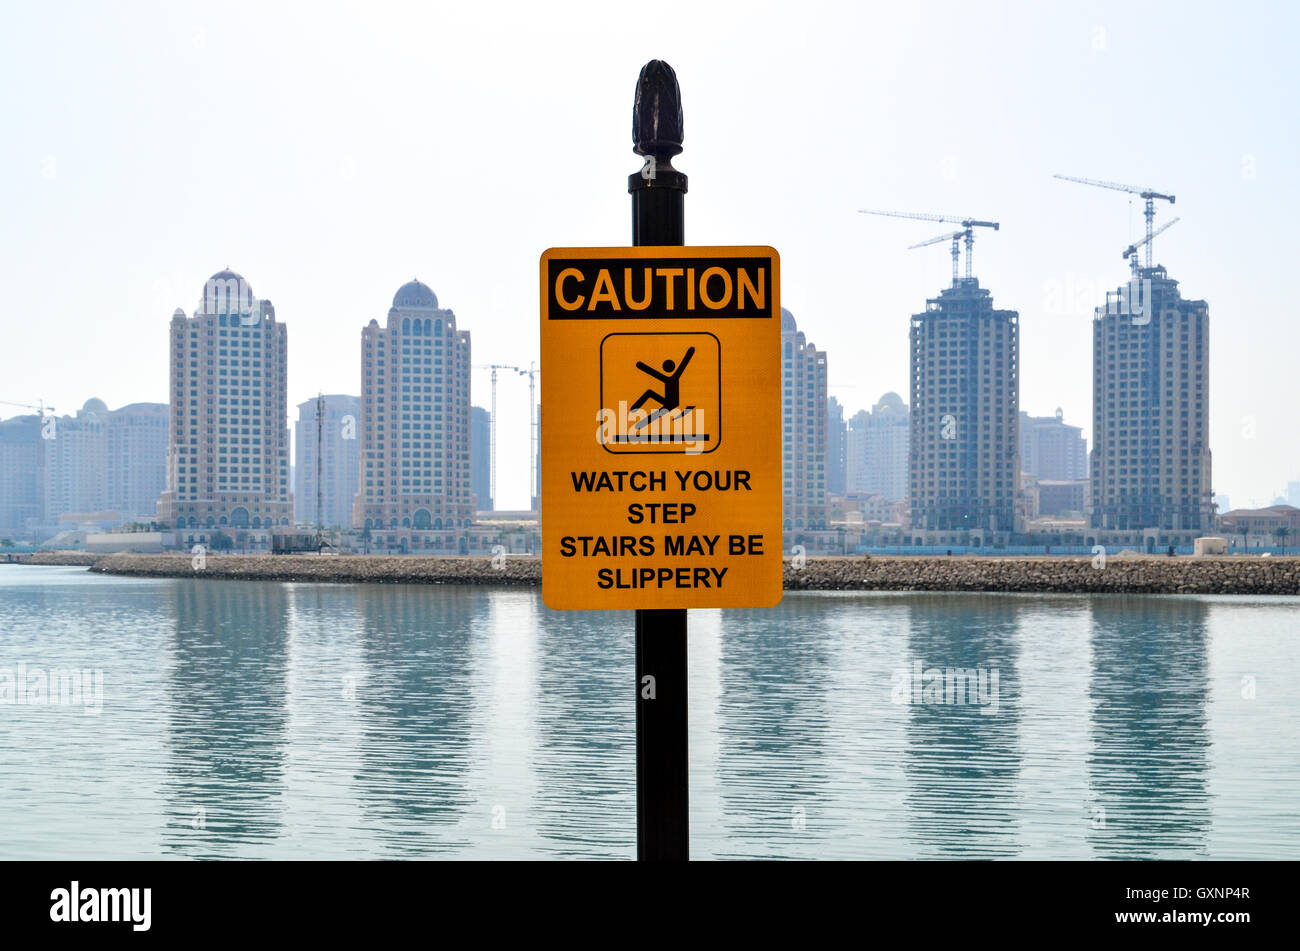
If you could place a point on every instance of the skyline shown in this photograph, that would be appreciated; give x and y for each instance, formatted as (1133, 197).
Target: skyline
(308, 156)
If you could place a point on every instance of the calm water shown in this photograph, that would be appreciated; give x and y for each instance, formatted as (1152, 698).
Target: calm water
(295, 720)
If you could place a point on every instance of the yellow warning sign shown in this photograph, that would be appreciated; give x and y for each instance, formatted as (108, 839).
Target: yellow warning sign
(661, 427)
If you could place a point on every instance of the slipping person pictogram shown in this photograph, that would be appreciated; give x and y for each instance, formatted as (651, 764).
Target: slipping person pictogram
(671, 398)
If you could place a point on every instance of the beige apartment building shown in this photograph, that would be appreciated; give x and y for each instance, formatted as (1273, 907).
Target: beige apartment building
(415, 488)
(228, 453)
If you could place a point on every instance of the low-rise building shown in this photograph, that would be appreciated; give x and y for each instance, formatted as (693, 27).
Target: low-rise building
(1275, 525)
(1061, 497)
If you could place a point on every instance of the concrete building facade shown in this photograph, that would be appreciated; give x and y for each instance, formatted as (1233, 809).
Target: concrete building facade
(103, 460)
(1060, 498)
(75, 463)
(228, 447)
(964, 447)
(877, 450)
(337, 429)
(1051, 450)
(803, 374)
(22, 459)
(480, 453)
(416, 490)
(108, 462)
(837, 432)
(1150, 472)
(137, 436)
(1275, 525)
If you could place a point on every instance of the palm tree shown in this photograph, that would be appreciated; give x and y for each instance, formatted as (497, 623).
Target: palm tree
(1280, 535)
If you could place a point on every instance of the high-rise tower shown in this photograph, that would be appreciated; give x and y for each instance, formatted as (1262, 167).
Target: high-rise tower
(803, 369)
(416, 490)
(877, 449)
(228, 452)
(335, 435)
(964, 446)
(1150, 463)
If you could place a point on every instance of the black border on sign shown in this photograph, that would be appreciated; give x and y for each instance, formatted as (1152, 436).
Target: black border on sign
(600, 396)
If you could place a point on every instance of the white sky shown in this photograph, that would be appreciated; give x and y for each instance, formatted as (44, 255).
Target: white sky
(331, 151)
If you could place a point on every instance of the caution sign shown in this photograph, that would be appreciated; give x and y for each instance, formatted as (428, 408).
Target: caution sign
(661, 427)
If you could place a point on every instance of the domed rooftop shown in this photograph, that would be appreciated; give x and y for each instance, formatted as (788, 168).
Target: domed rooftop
(415, 294)
(787, 322)
(95, 405)
(891, 404)
(227, 292)
(228, 278)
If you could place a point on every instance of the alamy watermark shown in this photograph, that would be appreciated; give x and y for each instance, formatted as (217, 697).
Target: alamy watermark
(680, 426)
(234, 296)
(1076, 294)
(81, 903)
(977, 686)
(58, 687)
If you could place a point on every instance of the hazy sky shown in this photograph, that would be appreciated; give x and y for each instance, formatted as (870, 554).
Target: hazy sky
(329, 152)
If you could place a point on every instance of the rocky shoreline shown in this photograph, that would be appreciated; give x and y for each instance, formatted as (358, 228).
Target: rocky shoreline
(70, 558)
(346, 569)
(1121, 574)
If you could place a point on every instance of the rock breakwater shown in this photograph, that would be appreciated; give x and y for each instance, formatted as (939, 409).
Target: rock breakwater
(1120, 574)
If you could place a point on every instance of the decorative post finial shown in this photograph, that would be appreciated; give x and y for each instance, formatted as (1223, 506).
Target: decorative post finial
(658, 189)
(657, 112)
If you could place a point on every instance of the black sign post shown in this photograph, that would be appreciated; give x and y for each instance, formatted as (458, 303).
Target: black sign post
(658, 200)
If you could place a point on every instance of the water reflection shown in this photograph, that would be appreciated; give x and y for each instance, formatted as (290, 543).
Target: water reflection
(413, 698)
(962, 760)
(774, 724)
(1148, 752)
(226, 716)
(586, 722)
(340, 721)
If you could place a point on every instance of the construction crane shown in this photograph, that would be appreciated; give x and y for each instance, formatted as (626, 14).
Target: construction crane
(1130, 253)
(1149, 195)
(39, 406)
(531, 373)
(955, 237)
(968, 232)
